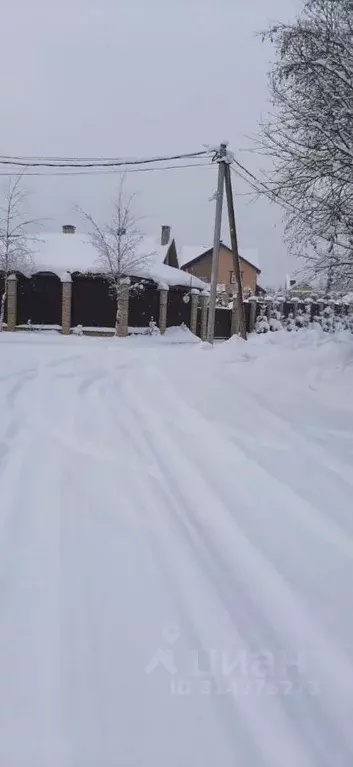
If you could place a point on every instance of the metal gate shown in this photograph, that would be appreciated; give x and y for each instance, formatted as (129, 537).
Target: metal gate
(39, 299)
(93, 302)
(143, 307)
(223, 323)
(179, 308)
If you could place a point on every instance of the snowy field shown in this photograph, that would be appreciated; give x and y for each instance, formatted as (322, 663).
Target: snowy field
(176, 553)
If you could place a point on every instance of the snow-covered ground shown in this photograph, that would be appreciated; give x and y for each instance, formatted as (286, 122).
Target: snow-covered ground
(176, 558)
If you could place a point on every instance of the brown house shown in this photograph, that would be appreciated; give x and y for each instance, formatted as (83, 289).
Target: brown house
(200, 264)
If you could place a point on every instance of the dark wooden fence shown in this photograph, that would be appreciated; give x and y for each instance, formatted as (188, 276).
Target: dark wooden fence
(143, 307)
(223, 323)
(39, 299)
(247, 315)
(179, 307)
(93, 305)
(93, 302)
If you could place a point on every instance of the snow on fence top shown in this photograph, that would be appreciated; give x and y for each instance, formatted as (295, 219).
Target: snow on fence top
(67, 253)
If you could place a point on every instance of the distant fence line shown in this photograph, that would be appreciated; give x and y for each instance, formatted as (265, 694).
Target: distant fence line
(294, 312)
(44, 300)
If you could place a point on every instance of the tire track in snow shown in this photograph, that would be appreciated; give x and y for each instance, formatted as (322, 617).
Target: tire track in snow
(252, 716)
(30, 606)
(167, 447)
(97, 420)
(201, 548)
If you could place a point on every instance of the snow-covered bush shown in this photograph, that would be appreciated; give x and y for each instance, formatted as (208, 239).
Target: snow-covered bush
(330, 322)
(262, 324)
(276, 320)
(332, 318)
(78, 330)
(265, 324)
(289, 323)
(303, 317)
(136, 287)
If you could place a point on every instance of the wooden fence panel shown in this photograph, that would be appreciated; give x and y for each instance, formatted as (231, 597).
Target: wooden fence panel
(39, 299)
(143, 307)
(223, 323)
(247, 310)
(93, 302)
(178, 309)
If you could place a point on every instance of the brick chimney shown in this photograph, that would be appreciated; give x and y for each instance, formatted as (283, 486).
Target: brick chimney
(165, 235)
(68, 229)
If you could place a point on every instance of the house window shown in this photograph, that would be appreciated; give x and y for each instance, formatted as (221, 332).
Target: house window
(232, 277)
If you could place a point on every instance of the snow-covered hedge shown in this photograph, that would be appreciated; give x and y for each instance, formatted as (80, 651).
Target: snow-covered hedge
(328, 318)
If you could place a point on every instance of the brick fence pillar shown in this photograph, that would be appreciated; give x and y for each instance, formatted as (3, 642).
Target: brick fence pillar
(66, 298)
(12, 302)
(163, 306)
(123, 319)
(194, 308)
(204, 314)
(253, 305)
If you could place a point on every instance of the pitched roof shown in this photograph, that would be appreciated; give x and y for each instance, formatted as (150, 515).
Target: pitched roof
(59, 253)
(189, 254)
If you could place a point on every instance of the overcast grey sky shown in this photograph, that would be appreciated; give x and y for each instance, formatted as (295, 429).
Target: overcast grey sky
(134, 78)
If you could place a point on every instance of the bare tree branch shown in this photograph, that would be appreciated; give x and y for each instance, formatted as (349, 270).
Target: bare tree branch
(309, 135)
(15, 250)
(119, 244)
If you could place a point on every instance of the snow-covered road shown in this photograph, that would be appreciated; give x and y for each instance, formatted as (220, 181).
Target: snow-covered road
(176, 557)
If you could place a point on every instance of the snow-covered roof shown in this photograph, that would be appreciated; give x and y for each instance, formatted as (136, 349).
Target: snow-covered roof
(188, 253)
(60, 253)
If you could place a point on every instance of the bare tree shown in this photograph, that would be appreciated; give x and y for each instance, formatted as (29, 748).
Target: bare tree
(119, 245)
(15, 250)
(309, 135)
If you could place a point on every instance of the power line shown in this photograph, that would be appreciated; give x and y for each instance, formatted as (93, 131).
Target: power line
(43, 163)
(64, 158)
(106, 172)
(271, 194)
(243, 178)
(249, 173)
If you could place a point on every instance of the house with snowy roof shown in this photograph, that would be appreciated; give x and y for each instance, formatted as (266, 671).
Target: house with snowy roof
(68, 286)
(71, 252)
(197, 261)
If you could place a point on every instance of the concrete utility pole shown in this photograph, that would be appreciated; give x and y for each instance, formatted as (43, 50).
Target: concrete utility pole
(234, 243)
(221, 154)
